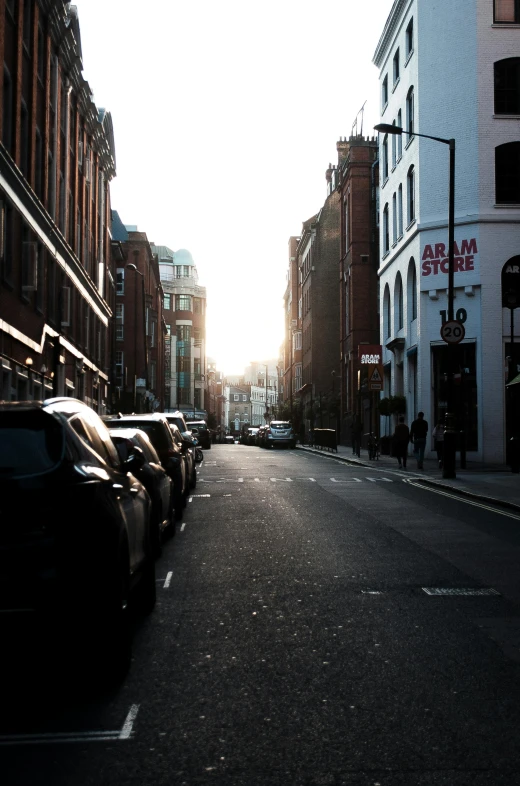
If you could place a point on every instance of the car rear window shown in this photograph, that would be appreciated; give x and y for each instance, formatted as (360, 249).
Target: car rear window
(281, 425)
(31, 443)
(156, 431)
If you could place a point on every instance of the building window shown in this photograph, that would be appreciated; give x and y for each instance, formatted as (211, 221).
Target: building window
(384, 92)
(120, 322)
(386, 238)
(120, 275)
(387, 320)
(507, 86)
(399, 303)
(167, 302)
(385, 158)
(507, 174)
(394, 148)
(409, 38)
(411, 194)
(400, 211)
(168, 329)
(27, 23)
(24, 140)
(183, 332)
(244, 398)
(182, 302)
(409, 113)
(394, 218)
(399, 138)
(507, 11)
(412, 290)
(236, 397)
(347, 226)
(297, 340)
(7, 116)
(396, 67)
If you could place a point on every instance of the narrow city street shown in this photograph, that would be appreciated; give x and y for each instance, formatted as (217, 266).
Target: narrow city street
(316, 623)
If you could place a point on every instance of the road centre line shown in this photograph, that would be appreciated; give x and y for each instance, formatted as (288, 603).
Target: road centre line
(183, 526)
(168, 579)
(464, 499)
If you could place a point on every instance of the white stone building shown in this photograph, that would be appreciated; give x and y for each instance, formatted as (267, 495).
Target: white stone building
(452, 70)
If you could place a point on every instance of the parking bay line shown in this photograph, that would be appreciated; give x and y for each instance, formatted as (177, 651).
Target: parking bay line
(168, 578)
(53, 738)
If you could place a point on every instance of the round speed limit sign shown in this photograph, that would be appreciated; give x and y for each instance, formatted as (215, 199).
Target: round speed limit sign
(452, 332)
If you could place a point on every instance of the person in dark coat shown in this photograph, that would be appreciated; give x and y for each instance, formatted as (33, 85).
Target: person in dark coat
(401, 440)
(418, 434)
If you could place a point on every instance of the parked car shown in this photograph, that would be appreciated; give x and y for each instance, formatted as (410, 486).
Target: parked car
(229, 439)
(154, 478)
(280, 432)
(75, 539)
(199, 428)
(260, 436)
(251, 436)
(168, 444)
(177, 419)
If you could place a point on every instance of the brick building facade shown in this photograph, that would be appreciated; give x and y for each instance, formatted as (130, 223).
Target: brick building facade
(57, 159)
(359, 262)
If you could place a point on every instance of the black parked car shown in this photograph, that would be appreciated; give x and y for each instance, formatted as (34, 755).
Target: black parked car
(75, 527)
(177, 419)
(199, 429)
(169, 446)
(153, 476)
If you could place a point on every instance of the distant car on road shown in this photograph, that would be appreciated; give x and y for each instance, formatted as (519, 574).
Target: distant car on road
(280, 432)
(229, 439)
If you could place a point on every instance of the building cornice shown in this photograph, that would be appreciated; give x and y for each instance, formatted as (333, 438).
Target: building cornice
(394, 17)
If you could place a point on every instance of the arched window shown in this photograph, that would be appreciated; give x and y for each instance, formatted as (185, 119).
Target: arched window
(409, 113)
(410, 179)
(507, 86)
(412, 290)
(398, 303)
(387, 316)
(507, 174)
(386, 230)
(385, 158)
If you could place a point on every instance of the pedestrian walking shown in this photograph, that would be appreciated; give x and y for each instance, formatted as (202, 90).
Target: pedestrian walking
(400, 441)
(418, 433)
(438, 436)
(356, 436)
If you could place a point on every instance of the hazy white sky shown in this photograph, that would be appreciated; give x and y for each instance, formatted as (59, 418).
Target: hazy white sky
(226, 115)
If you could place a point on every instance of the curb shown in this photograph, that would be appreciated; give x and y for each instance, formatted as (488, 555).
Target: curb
(426, 481)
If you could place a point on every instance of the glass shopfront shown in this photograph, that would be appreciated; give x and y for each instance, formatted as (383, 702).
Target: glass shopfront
(463, 357)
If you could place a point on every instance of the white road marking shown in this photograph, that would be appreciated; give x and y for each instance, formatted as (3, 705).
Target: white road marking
(58, 737)
(280, 480)
(241, 480)
(190, 499)
(129, 722)
(476, 504)
(168, 578)
(202, 495)
(350, 480)
(183, 526)
(386, 480)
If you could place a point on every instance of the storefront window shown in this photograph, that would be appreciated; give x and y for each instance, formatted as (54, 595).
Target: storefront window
(465, 389)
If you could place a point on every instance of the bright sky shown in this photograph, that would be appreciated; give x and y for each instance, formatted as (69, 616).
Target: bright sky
(226, 115)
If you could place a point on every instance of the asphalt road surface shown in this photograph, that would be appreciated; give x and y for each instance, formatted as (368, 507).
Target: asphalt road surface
(317, 624)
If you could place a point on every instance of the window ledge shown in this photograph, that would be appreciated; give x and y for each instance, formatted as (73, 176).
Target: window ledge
(408, 57)
(498, 25)
(410, 140)
(506, 117)
(385, 181)
(383, 110)
(507, 205)
(410, 225)
(398, 159)
(385, 255)
(394, 86)
(393, 168)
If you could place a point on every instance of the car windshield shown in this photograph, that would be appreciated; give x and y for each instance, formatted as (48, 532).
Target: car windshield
(31, 443)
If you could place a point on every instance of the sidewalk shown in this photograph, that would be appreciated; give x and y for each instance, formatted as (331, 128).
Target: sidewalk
(492, 484)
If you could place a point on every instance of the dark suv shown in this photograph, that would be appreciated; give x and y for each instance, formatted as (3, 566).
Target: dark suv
(75, 534)
(199, 429)
(176, 419)
(169, 446)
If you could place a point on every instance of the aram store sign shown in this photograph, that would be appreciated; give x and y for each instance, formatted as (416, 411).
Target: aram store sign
(435, 265)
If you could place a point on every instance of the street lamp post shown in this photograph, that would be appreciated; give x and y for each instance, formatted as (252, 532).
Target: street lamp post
(448, 468)
(131, 266)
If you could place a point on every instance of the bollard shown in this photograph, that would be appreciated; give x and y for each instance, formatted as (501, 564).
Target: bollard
(462, 448)
(514, 454)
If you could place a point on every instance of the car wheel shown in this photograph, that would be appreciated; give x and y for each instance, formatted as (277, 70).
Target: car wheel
(193, 478)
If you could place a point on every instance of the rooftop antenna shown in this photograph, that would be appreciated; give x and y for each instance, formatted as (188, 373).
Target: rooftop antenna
(359, 117)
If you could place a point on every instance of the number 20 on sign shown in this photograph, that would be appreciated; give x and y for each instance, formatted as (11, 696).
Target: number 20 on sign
(452, 332)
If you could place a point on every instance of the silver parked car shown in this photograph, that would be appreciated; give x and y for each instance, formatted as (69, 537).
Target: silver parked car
(279, 432)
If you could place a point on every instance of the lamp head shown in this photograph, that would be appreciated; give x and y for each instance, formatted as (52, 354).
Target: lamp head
(386, 128)
(131, 266)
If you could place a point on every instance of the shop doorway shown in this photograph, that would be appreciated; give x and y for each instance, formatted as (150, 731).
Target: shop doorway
(465, 389)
